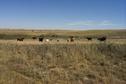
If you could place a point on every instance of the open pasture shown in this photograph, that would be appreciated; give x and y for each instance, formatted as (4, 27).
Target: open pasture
(50, 62)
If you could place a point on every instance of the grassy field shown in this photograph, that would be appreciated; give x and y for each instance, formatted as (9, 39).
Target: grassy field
(13, 34)
(80, 62)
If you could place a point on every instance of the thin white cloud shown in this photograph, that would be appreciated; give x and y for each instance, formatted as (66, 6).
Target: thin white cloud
(106, 23)
(91, 23)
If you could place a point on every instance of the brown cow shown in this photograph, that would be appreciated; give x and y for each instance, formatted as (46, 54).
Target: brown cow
(34, 37)
(57, 40)
(68, 40)
(51, 39)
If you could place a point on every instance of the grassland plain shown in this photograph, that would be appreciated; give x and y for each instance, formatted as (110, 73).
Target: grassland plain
(91, 63)
(13, 34)
(81, 62)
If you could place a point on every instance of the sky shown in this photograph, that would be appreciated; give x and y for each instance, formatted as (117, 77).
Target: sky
(63, 14)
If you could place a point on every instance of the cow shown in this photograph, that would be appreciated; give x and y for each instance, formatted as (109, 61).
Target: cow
(41, 39)
(34, 37)
(57, 40)
(71, 39)
(68, 40)
(51, 39)
(102, 39)
(47, 40)
(20, 39)
(88, 38)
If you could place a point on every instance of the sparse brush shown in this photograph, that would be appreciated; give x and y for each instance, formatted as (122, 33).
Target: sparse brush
(63, 63)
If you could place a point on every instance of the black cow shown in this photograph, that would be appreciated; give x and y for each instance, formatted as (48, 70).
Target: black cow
(89, 38)
(102, 39)
(34, 38)
(20, 39)
(71, 39)
(41, 39)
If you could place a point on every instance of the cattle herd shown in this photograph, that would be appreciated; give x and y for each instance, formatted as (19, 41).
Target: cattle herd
(71, 39)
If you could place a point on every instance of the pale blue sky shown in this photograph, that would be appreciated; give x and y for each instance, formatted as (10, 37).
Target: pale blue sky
(63, 14)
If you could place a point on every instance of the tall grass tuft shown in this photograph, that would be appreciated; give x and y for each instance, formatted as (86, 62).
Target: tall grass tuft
(96, 63)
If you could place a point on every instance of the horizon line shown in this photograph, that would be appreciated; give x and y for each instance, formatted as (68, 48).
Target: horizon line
(51, 28)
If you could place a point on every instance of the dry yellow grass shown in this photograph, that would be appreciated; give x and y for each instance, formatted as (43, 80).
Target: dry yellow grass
(33, 62)
(79, 62)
